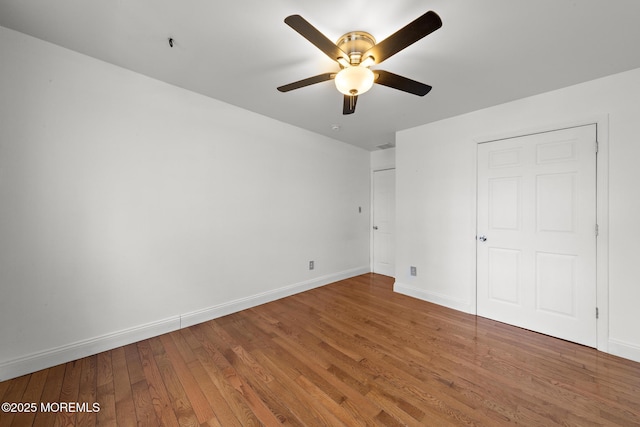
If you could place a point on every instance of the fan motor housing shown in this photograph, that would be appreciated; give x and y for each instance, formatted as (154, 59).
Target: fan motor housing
(355, 43)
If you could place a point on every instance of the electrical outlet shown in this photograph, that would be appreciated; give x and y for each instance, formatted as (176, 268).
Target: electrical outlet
(414, 271)
(311, 265)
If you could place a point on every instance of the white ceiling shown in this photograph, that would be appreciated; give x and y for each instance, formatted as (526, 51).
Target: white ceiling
(486, 53)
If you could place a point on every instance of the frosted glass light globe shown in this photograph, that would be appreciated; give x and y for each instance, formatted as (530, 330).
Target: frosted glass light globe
(354, 80)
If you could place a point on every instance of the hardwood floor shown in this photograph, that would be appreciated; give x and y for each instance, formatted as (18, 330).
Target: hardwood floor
(350, 353)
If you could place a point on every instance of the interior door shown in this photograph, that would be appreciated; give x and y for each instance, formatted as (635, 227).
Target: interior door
(536, 243)
(384, 220)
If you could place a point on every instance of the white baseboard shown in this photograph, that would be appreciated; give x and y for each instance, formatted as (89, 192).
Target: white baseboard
(624, 349)
(66, 353)
(434, 297)
(200, 316)
(616, 347)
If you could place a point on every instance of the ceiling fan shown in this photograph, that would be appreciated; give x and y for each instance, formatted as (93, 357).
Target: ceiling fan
(356, 51)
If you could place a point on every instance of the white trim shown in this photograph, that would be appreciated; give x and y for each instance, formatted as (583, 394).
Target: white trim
(624, 349)
(199, 316)
(602, 216)
(602, 206)
(66, 353)
(372, 216)
(434, 297)
(63, 354)
(598, 119)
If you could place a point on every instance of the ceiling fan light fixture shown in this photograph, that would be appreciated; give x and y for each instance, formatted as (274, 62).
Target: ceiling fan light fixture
(356, 51)
(354, 80)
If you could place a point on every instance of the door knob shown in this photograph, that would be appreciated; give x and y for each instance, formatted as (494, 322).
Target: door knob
(482, 238)
(375, 227)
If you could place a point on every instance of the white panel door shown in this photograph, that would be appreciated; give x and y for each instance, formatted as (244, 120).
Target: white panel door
(384, 220)
(537, 233)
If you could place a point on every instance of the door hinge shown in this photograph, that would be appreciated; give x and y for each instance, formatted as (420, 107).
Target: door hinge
(597, 230)
(597, 147)
(597, 313)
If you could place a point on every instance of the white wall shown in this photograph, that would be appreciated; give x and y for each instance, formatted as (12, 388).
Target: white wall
(129, 207)
(435, 172)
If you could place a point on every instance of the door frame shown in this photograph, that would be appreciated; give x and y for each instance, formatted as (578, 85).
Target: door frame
(371, 216)
(602, 210)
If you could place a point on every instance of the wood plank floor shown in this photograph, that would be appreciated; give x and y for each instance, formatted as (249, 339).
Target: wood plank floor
(350, 353)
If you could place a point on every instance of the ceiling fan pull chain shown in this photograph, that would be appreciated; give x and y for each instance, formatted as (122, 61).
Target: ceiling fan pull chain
(352, 103)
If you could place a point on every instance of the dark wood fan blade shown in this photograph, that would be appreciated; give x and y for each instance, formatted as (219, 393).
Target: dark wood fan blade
(406, 36)
(349, 104)
(307, 82)
(319, 40)
(404, 84)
